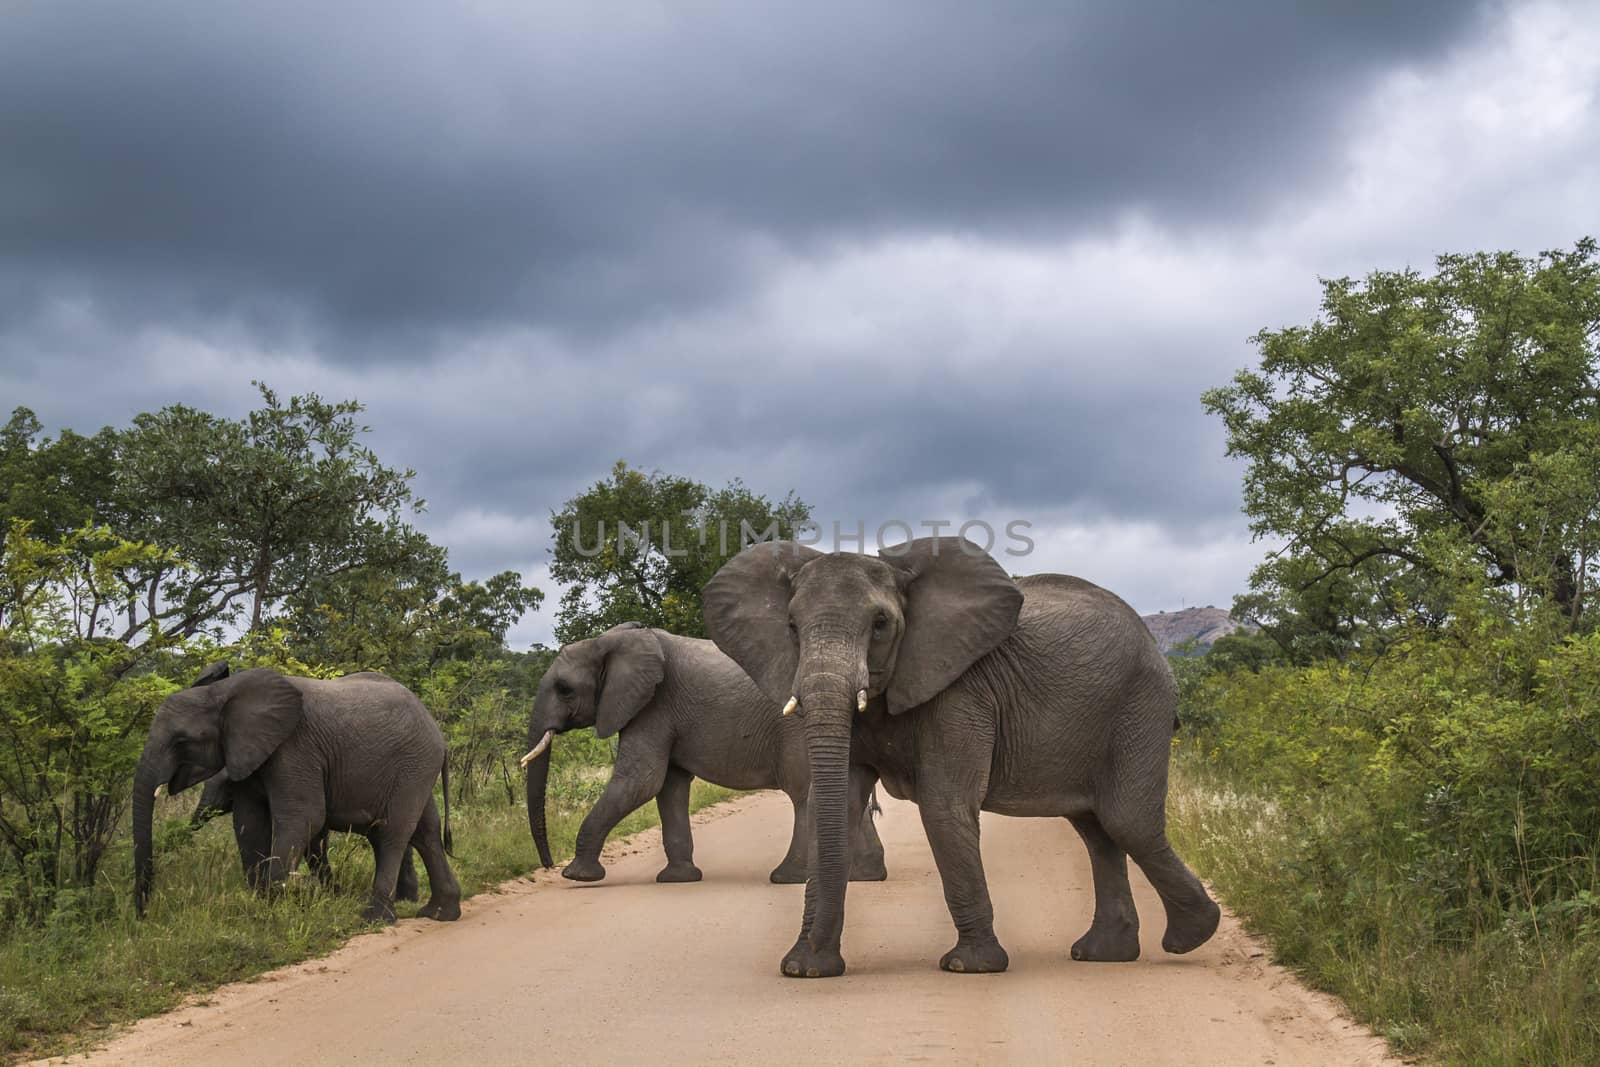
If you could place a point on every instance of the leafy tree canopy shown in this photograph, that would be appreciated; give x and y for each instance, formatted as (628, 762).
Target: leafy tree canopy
(639, 547)
(262, 508)
(1427, 430)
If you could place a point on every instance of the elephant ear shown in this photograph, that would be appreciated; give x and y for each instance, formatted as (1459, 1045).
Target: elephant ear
(747, 613)
(960, 604)
(260, 709)
(214, 673)
(633, 665)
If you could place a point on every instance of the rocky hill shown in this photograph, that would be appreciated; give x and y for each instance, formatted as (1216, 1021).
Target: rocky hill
(1200, 625)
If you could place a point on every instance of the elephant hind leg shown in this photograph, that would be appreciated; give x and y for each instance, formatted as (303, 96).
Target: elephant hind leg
(1192, 916)
(406, 886)
(792, 871)
(388, 848)
(444, 894)
(1113, 936)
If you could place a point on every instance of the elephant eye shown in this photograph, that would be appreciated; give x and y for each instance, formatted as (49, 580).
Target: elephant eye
(563, 689)
(880, 624)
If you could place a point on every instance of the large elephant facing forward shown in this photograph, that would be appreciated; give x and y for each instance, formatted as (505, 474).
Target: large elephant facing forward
(930, 668)
(303, 756)
(682, 710)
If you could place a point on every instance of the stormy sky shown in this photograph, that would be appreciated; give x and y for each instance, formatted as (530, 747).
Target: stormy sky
(915, 260)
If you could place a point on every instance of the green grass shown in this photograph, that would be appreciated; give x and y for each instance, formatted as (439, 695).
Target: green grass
(1345, 908)
(94, 965)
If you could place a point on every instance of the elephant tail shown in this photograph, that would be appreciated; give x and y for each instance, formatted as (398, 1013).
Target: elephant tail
(449, 842)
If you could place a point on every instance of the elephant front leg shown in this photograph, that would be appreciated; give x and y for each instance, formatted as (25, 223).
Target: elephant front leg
(625, 792)
(291, 838)
(866, 853)
(953, 834)
(673, 805)
(252, 832)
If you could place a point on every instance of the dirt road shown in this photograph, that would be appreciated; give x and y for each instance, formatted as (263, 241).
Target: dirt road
(627, 971)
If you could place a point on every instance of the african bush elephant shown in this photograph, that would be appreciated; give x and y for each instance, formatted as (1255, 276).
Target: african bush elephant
(304, 756)
(216, 798)
(963, 689)
(683, 710)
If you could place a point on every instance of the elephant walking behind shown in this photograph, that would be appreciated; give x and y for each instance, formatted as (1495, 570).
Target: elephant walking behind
(682, 710)
(303, 756)
(929, 668)
(216, 798)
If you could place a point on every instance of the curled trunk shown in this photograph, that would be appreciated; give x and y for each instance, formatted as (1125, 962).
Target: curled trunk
(538, 778)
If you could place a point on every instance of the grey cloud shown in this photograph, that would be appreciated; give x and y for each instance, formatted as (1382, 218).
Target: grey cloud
(388, 173)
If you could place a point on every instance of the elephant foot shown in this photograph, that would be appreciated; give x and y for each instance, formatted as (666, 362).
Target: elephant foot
(868, 870)
(787, 873)
(679, 872)
(1108, 943)
(803, 961)
(1188, 930)
(976, 957)
(378, 910)
(584, 870)
(444, 911)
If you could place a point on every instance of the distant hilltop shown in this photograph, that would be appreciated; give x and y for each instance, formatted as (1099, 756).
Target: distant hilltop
(1200, 625)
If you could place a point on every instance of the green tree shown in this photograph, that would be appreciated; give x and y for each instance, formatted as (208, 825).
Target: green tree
(1443, 424)
(405, 622)
(58, 485)
(639, 547)
(261, 509)
(72, 713)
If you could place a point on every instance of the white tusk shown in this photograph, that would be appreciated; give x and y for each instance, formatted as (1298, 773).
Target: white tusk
(537, 750)
(861, 700)
(794, 702)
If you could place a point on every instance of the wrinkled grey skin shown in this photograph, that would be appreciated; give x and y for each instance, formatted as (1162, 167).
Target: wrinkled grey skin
(683, 710)
(304, 756)
(1041, 696)
(216, 798)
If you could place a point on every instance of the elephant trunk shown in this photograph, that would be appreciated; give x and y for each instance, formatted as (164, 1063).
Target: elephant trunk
(829, 701)
(537, 771)
(155, 766)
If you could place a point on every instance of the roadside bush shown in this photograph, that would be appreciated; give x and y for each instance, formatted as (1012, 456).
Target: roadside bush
(1416, 831)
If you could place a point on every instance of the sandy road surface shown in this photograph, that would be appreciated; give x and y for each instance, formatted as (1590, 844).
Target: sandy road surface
(627, 971)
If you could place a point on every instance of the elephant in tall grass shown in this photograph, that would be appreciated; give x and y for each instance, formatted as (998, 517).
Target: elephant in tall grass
(216, 798)
(680, 710)
(929, 668)
(303, 756)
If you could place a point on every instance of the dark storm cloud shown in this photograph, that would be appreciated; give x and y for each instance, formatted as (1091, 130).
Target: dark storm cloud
(911, 260)
(389, 173)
